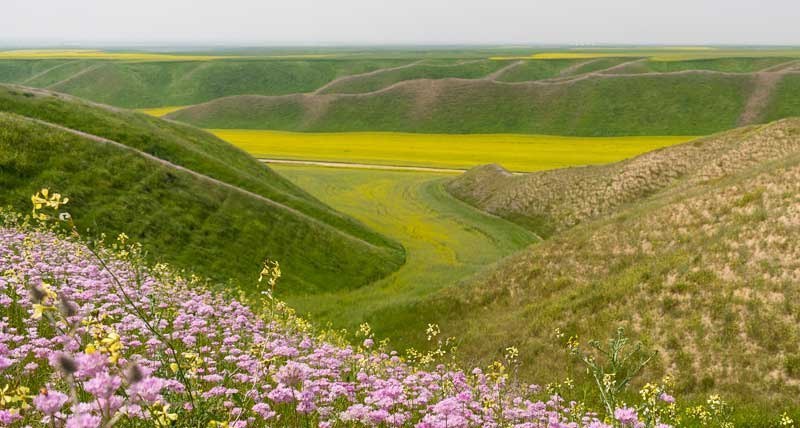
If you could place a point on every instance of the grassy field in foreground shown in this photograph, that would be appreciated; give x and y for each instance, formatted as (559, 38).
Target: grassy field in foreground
(515, 152)
(445, 241)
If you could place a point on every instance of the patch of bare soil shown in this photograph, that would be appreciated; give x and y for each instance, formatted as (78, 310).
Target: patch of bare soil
(763, 88)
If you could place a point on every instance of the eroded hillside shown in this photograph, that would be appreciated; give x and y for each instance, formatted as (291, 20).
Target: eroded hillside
(694, 249)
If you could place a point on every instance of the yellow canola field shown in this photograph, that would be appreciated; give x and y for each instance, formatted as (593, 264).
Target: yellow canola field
(97, 54)
(160, 111)
(515, 152)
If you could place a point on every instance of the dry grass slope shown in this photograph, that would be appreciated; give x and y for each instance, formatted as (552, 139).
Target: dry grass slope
(565, 197)
(698, 254)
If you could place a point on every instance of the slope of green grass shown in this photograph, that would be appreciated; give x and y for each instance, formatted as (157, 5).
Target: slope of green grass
(157, 84)
(785, 101)
(231, 239)
(537, 70)
(606, 106)
(18, 71)
(445, 239)
(467, 70)
(598, 64)
(733, 65)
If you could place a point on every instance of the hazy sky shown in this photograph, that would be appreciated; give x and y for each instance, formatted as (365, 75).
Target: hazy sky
(271, 22)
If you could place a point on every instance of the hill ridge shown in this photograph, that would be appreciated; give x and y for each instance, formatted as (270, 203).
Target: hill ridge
(198, 175)
(561, 198)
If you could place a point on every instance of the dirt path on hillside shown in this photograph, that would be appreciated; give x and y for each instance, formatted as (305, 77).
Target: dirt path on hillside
(76, 75)
(574, 67)
(499, 73)
(42, 73)
(784, 66)
(198, 175)
(765, 84)
(349, 77)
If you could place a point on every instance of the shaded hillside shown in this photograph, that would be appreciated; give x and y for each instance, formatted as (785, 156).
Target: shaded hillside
(588, 105)
(183, 193)
(156, 84)
(698, 255)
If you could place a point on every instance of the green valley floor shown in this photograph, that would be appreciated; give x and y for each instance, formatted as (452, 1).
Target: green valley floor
(445, 239)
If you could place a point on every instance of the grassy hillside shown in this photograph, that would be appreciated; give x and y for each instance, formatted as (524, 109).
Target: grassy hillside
(563, 198)
(694, 249)
(538, 70)
(465, 70)
(169, 83)
(730, 65)
(696, 104)
(222, 223)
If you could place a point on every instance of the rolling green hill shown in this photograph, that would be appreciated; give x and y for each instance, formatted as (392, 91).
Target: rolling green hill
(634, 93)
(695, 104)
(168, 83)
(182, 192)
(474, 69)
(693, 248)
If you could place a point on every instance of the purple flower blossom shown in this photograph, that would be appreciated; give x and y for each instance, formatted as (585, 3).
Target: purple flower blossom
(103, 385)
(50, 402)
(148, 389)
(5, 363)
(263, 410)
(626, 416)
(8, 417)
(84, 420)
(666, 398)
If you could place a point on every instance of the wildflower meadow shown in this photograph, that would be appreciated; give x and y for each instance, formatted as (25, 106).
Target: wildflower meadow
(92, 335)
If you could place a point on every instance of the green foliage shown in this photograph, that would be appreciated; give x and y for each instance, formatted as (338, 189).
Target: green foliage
(613, 367)
(197, 224)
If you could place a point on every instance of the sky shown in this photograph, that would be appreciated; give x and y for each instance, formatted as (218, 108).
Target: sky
(393, 22)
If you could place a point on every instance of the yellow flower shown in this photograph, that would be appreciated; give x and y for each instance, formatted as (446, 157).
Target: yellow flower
(164, 417)
(38, 310)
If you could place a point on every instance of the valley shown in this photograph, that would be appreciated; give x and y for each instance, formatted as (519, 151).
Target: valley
(445, 240)
(517, 199)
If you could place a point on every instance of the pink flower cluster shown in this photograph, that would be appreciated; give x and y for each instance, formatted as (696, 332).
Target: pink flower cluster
(167, 351)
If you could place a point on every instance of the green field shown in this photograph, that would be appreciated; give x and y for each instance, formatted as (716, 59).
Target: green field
(445, 241)
(514, 152)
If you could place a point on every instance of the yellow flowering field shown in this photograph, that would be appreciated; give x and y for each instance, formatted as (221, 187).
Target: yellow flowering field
(462, 151)
(98, 54)
(160, 111)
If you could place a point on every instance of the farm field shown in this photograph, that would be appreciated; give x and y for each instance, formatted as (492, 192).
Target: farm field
(514, 152)
(666, 53)
(445, 239)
